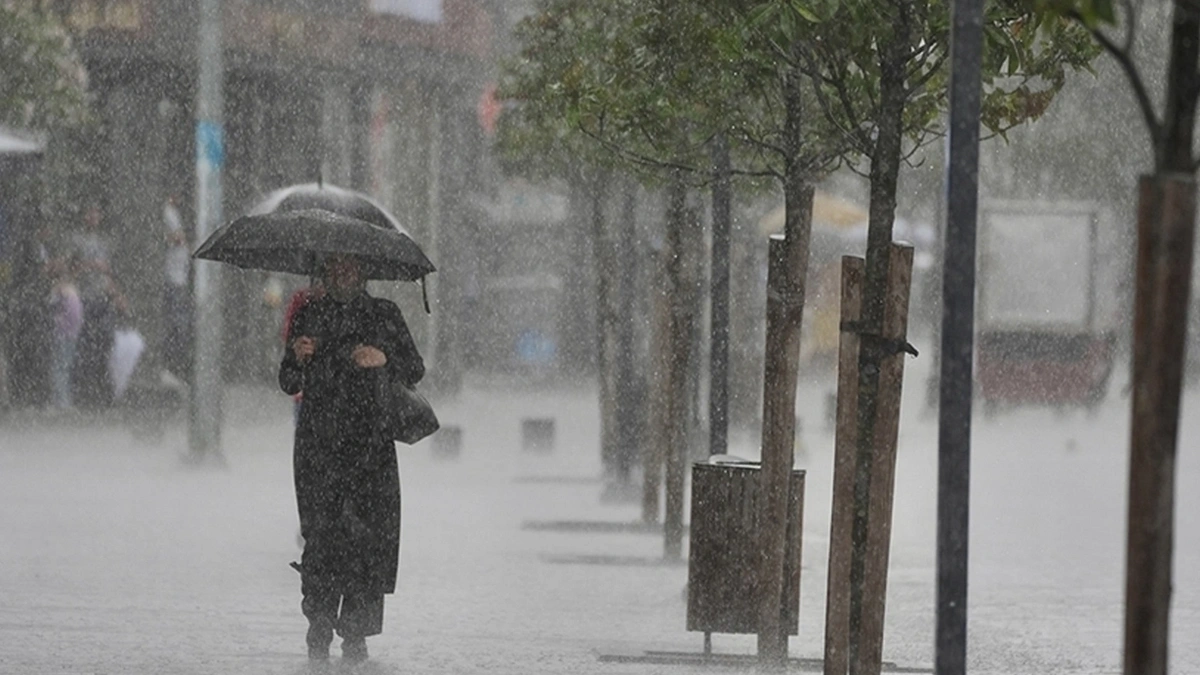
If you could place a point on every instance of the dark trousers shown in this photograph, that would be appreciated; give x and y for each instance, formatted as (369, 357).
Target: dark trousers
(353, 616)
(177, 331)
(90, 380)
(334, 593)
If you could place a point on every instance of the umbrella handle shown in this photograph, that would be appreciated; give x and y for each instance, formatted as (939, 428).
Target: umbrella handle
(425, 296)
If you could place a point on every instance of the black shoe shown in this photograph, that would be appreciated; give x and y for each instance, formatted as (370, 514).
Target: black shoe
(354, 649)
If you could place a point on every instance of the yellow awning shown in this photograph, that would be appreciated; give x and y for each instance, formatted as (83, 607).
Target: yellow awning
(829, 212)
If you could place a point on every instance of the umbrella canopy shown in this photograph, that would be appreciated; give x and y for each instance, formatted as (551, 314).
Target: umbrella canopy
(298, 241)
(328, 198)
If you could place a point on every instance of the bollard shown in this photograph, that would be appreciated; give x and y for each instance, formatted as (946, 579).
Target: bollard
(447, 442)
(537, 434)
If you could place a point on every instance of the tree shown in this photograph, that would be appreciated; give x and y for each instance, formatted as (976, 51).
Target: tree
(655, 82)
(42, 82)
(1166, 233)
(639, 85)
(880, 80)
(536, 139)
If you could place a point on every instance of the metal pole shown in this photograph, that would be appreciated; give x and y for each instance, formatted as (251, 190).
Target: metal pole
(204, 418)
(958, 339)
(718, 388)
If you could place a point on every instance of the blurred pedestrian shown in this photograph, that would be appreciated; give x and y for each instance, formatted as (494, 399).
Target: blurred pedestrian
(103, 306)
(67, 312)
(346, 475)
(177, 307)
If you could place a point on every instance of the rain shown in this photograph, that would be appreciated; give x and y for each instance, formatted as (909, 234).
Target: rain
(696, 335)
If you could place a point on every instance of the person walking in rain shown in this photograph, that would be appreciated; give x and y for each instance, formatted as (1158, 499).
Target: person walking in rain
(346, 475)
(104, 305)
(176, 306)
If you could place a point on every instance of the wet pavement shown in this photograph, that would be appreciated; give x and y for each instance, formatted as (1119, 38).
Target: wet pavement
(118, 557)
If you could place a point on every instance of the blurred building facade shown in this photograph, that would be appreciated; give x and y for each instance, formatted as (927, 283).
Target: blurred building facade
(377, 95)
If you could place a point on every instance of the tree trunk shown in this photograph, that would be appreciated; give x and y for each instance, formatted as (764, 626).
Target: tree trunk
(785, 312)
(1166, 232)
(680, 245)
(657, 389)
(605, 266)
(628, 404)
(1166, 229)
(718, 387)
(577, 353)
(885, 170)
(1174, 151)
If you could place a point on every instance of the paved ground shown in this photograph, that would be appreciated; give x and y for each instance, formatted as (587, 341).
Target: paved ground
(115, 557)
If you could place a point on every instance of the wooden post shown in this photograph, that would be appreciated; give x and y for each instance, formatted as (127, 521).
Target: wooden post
(1166, 230)
(787, 266)
(837, 591)
(883, 471)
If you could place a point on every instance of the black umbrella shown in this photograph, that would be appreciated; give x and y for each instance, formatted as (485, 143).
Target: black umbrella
(297, 241)
(329, 198)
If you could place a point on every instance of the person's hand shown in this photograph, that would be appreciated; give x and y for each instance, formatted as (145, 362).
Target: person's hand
(303, 348)
(366, 356)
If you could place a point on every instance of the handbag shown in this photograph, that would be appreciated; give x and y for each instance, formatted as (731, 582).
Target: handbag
(404, 414)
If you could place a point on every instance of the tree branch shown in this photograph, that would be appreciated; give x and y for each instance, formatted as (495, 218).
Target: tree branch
(864, 139)
(757, 142)
(928, 75)
(645, 160)
(853, 135)
(1130, 26)
(917, 58)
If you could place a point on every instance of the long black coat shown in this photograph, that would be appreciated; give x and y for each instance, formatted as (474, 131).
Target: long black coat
(347, 479)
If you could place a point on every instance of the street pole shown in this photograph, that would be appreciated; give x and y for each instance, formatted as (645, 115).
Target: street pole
(718, 387)
(204, 414)
(958, 338)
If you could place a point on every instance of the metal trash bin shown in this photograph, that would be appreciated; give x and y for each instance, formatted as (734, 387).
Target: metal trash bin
(723, 554)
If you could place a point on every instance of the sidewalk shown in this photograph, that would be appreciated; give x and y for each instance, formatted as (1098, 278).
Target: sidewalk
(117, 558)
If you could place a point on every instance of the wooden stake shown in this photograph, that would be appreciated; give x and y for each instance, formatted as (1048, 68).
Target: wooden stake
(883, 470)
(837, 591)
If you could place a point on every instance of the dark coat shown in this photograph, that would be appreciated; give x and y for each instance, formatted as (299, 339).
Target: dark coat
(347, 479)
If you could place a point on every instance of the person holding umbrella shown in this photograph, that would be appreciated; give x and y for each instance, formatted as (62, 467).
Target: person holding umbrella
(346, 475)
(355, 361)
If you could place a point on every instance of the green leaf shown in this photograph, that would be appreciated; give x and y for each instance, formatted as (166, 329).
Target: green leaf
(807, 13)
